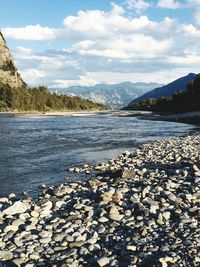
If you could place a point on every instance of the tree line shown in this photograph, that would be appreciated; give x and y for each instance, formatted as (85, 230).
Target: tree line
(40, 99)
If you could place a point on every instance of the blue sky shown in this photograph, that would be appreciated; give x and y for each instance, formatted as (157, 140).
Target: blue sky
(62, 43)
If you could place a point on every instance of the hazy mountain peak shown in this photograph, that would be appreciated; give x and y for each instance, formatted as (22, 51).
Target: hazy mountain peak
(115, 95)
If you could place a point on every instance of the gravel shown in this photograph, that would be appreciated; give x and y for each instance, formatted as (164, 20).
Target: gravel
(139, 209)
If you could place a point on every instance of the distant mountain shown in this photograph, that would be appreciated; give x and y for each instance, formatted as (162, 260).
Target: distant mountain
(167, 90)
(179, 102)
(114, 95)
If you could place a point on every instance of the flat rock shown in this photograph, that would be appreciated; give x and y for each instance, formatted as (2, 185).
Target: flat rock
(6, 255)
(103, 261)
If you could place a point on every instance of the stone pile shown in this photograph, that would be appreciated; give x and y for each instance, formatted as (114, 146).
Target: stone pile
(140, 209)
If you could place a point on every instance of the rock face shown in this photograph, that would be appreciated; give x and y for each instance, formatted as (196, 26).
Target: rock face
(8, 72)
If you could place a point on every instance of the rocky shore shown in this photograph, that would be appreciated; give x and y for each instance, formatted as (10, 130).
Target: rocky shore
(140, 209)
(188, 117)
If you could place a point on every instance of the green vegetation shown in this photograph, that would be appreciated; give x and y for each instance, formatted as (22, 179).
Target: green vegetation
(9, 66)
(40, 99)
(179, 102)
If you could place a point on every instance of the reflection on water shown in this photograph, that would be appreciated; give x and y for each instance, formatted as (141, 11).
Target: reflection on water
(35, 150)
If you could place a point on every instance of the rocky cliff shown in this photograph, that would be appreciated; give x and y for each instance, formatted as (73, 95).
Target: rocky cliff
(8, 71)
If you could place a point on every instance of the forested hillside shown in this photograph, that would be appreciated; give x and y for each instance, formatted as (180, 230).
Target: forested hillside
(179, 102)
(40, 99)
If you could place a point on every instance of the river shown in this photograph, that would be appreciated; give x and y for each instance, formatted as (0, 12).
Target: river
(38, 149)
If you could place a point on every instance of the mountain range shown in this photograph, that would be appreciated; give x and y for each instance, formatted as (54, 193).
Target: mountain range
(114, 95)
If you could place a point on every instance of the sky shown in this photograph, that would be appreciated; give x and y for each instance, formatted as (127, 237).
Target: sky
(60, 43)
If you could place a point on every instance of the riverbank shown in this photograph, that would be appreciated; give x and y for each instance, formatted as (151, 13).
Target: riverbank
(139, 209)
(187, 117)
(50, 113)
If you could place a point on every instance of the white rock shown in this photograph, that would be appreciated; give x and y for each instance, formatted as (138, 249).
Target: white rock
(10, 228)
(103, 219)
(35, 214)
(45, 234)
(45, 240)
(132, 248)
(3, 199)
(6, 255)
(103, 261)
(17, 222)
(166, 215)
(60, 203)
(114, 214)
(17, 207)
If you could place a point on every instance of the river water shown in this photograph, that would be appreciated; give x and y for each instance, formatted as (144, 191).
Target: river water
(36, 150)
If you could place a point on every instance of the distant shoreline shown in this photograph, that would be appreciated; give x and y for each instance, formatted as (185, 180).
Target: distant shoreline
(187, 117)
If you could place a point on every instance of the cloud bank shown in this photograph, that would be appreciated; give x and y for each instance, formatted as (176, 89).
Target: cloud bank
(110, 46)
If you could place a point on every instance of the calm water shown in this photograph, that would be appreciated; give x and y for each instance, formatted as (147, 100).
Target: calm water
(39, 150)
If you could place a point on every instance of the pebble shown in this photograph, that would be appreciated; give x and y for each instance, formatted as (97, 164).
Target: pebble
(9, 228)
(35, 214)
(103, 219)
(115, 215)
(139, 208)
(17, 208)
(131, 247)
(103, 261)
(76, 244)
(45, 240)
(6, 255)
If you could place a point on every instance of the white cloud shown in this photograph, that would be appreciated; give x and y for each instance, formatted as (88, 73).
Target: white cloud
(83, 81)
(193, 3)
(197, 16)
(116, 9)
(30, 32)
(108, 46)
(129, 47)
(138, 4)
(32, 76)
(169, 4)
(162, 76)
